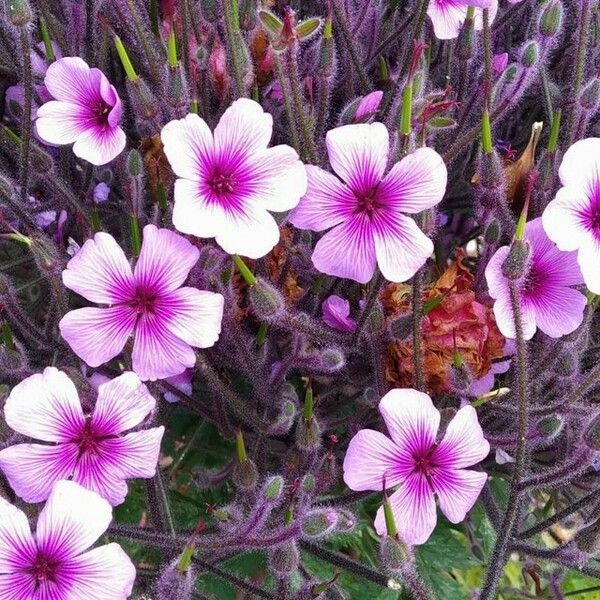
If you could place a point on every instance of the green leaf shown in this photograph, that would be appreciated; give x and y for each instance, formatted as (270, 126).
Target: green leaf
(307, 28)
(270, 22)
(441, 122)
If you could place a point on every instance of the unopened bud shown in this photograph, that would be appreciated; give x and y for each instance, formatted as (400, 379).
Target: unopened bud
(175, 583)
(588, 539)
(18, 12)
(308, 435)
(177, 88)
(590, 94)
(273, 488)
(460, 378)
(493, 232)
(394, 554)
(517, 261)
(285, 420)
(134, 163)
(346, 521)
(332, 360)
(551, 19)
(319, 523)
(284, 560)
(266, 301)
(592, 434)
(550, 426)
(530, 54)
(146, 106)
(45, 254)
(245, 474)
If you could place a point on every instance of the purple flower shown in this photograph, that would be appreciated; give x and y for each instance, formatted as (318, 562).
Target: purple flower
(448, 16)
(367, 107)
(366, 209)
(486, 383)
(230, 179)
(547, 300)
(86, 111)
(421, 463)
(183, 382)
(101, 193)
(572, 219)
(336, 314)
(55, 563)
(499, 63)
(93, 450)
(166, 319)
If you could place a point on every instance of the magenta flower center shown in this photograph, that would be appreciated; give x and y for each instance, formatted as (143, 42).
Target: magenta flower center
(368, 202)
(425, 462)
(143, 301)
(100, 113)
(221, 183)
(43, 569)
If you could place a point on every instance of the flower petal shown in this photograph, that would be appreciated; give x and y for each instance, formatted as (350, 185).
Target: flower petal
(580, 165)
(370, 457)
(336, 314)
(100, 145)
(244, 129)
(99, 271)
(157, 353)
(504, 317)
(194, 316)
(122, 403)
(165, 260)
(457, 491)
(358, 154)
(416, 183)
(447, 18)
(411, 419)
(188, 145)
(463, 444)
(71, 521)
(17, 586)
(95, 472)
(558, 309)
(45, 406)
(33, 469)
(17, 545)
(97, 335)
(400, 246)
(104, 573)
(70, 79)
(413, 506)
(327, 202)
(588, 259)
(348, 250)
(60, 122)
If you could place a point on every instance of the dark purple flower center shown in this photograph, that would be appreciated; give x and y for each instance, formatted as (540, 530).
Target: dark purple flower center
(143, 301)
(368, 202)
(100, 112)
(87, 440)
(425, 462)
(532, 282)
(221, 183)
(43, 569)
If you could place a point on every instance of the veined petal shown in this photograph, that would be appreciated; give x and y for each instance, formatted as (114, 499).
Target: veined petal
(413, 506)
(71, 521)
(411, 419)
(336, 314)
(457, 491)
(188, 145)
(17, 586)
(17, 545)
(416, 183)
(348, 250)
(370, 457)
(70, 79)
(165, 260)
(588, 259)
(60, 122)
(95, 472)
(358, 154)
(327, 202)
(100, 145)
(122, 403)
(97, 335)
(400, 246)
(463, 444)
(253, 233)
(99, 271)
(580, 166)
(244, 129)
(33, 469)
(447, 18)
(104, 573)
(194, 316)
(558, 309)
(157, 353)
(505, 320)
(45, 406)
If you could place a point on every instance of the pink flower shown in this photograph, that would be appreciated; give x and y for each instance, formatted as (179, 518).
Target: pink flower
(547, 300)
(367, 107)
(366, 209)
(55, 563)
(230, 179)
(572, 219)
(499, 63)
(93, 450)
(336, 314)
(86, 111)
(165, 318)
(448, 16)
(421, 463)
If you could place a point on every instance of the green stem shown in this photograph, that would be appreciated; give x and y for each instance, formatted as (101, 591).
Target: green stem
(7, 337)
(554, 131)
(136, 239)
(487, 46)
(287, 103)
(47, 41)
(245, 272)
(146, 46)
(232, 30)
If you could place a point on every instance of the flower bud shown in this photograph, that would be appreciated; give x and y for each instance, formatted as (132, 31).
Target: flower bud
(284, 560)
(285, 420)
(175, 583)
(332, 360)
(592, 434)
(369, 398)
(266, 301)
(517, 261)
(530, 55)
(177, 88)
(134, 163)
(319, 523)
(550, 427)
(245, 475)
(551, 19)
(45, 254)
(394, 554)
(308, 435)
(346, 521)
(272, 488)
(590, 94)
(493, 232)
(588, 539)
(18, 12)
(143, 100)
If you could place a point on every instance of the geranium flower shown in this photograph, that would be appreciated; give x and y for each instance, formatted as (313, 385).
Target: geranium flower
(86, 111)
(547, 300)
(336, 314)
(230, 179)
(572, 219)
(366, 209)
(448, 16)
(55, 563)
(165, 318)
(421, 463)
(93, 449)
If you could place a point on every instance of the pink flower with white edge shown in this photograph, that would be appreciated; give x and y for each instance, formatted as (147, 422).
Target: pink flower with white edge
(56, 562)
(230, 179)
(448, 16)
(94, 449)
(423, 465)
(86, 111)
(166, 320)
(548, 301)
(366, 207)
(572, 219)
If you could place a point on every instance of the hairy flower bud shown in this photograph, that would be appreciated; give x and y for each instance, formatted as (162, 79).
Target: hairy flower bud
(551, 19)
(591, 435)
(272, 488)
(245, 474)
(177, 87)
(285, 420)
(18, 12)
(530, 55)
(135, 163)
(588, 98)
(517, 261)
(143, 100)
(394, 554)
(319, 523)
(550, 427)
(588, 539)
(284, 560)
(308, 435)
(266, 300)
(175, 583)
(493, 232)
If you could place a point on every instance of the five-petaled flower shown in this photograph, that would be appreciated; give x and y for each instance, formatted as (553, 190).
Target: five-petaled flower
(572, 219)
(366, 208)
(55, 563)
(448, 16)
(166, 319)
(547, 300)
(230, 179)
(421, 463)
(93, 450)
(86, 110)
